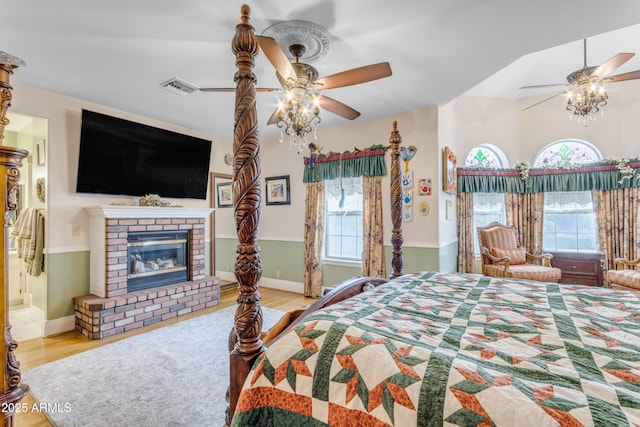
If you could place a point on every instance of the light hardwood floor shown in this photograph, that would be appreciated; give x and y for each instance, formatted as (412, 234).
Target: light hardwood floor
(38, 351)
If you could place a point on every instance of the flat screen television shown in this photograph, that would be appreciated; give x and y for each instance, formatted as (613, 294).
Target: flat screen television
(122, 157)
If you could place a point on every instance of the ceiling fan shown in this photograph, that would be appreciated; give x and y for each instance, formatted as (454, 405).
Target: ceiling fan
(298, 77)
(591, 75)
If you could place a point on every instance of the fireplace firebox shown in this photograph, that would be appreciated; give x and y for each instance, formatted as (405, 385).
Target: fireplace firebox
(111, 308)
(157, 259)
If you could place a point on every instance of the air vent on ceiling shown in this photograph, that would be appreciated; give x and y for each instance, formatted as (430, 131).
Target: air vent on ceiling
(179, 86)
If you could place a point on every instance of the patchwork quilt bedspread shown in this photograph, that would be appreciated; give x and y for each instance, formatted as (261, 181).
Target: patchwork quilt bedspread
(433, 349)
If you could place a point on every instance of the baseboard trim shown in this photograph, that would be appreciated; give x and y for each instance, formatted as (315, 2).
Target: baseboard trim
(282, 285)
(267, 282)
(59, 325)
(226, 275)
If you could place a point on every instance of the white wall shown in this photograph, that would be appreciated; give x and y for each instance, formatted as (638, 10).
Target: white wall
(461, 125)
(521, 134)
(65, 207)
(286, 222)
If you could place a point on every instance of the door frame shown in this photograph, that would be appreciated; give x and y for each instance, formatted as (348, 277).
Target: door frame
(212, 204)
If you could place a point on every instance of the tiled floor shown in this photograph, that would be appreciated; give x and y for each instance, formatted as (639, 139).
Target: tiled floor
(22, 327)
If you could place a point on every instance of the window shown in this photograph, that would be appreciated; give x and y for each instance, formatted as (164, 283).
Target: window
(569, 223)
(486, 156)
(487, 207)
(565, 153)
(343, 219)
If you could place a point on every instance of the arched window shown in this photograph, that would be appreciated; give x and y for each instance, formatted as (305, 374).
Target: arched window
(487, 207)
(486, 156)
(565, 153)
(569, 222)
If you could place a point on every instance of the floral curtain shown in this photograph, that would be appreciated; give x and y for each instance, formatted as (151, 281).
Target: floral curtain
(618, 222)
(313, 239)
(525, 213)
(372, 248)
(465, 232)
(614, 185)
(365, 163)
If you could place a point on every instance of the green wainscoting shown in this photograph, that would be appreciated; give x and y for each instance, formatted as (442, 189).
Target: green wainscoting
(286, 258)
(67, 277)
(415, 259)
(335, 274)
(225, 254)
(67, 273)
(277, 256)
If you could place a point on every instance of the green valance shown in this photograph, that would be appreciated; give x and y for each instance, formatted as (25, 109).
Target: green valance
(605, 175)
(368, 162)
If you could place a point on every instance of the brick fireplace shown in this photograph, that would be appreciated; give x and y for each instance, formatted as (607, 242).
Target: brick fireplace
(111, 309)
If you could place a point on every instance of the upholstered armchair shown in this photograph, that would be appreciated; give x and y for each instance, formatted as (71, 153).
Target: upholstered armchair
(625, 276)
(502, 256)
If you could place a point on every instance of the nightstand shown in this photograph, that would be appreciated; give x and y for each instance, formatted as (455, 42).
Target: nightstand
(580, 268)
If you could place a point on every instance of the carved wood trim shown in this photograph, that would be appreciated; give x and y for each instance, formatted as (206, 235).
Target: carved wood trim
(246, 203)
(397, 262)
(13, 390)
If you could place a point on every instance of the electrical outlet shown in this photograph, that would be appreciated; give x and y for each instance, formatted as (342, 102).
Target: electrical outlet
(277, 274)
(227, 267)
(75, 230)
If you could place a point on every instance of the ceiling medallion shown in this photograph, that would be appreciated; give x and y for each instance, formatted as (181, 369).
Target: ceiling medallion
(315, 38)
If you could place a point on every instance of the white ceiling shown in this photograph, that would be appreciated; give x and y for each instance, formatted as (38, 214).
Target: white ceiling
(116, 53)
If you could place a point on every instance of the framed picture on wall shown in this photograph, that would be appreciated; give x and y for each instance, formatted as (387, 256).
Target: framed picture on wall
(41, 155)
(278, 192)
(224, 191)
(449, 180)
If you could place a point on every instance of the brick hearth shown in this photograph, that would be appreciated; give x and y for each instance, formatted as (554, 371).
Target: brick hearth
(98, 318)
(109, 309)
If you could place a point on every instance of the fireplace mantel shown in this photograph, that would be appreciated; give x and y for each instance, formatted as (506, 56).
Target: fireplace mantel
(117, 211)
(109, 226)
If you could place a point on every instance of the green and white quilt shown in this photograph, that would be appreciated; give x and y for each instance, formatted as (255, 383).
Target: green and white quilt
(433, 349)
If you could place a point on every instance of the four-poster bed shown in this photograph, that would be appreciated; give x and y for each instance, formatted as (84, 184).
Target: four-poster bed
(425, 348)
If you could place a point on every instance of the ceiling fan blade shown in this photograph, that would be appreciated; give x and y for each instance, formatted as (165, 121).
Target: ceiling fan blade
(611, 64)
(544, 100)
(274, 117)
(337, 107)
(541, 86)
(631, 75)
(356, 76)
(233, 89)
(277, 57)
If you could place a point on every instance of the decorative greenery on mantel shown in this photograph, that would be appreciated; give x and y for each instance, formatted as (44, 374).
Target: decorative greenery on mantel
(607, 174)
(156, 201)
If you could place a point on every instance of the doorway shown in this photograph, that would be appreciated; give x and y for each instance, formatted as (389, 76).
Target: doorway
(26, 309)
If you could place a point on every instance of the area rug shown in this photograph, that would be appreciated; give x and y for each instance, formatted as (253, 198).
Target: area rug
(176, 375)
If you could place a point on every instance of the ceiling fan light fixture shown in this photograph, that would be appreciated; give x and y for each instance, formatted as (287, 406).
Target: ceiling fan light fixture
(585, 100)
(290, 46)
(298, 115)
(586, 94)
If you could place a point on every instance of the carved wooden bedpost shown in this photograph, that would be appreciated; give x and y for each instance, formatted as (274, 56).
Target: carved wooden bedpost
(396, 204)
(10, 160)
(246, 201)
